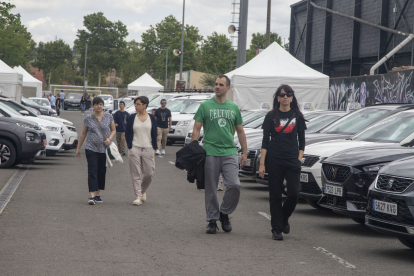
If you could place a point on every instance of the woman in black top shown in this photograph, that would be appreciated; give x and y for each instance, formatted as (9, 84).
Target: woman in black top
(58, 102)
(83, 104)
(283, 146)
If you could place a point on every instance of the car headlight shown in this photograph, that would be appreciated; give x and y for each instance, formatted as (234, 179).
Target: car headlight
(50, 128)
(374, 168)
(52, 111)
(32, 126)
(183, 123)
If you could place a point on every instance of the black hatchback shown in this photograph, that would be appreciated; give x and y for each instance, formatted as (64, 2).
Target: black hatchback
(391, 201)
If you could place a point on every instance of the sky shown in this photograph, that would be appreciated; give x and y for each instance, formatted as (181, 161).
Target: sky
(51, 19)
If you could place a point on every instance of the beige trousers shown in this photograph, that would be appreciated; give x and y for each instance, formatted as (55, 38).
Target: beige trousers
(142, 167)
(120, 140)
(162, 134)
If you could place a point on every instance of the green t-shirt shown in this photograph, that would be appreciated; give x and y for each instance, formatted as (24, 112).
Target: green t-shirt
(219, 120)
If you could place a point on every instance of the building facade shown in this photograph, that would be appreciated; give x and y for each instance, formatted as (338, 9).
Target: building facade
(341, 47)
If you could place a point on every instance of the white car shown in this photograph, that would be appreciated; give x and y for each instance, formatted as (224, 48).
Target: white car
(397, 129)
(177, 105)
(41, 101)
(54, 133)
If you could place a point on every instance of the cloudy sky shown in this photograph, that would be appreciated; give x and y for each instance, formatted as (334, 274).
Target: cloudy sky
(50, 19)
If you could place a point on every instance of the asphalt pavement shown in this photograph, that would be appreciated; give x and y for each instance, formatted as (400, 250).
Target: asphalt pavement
(48, 229)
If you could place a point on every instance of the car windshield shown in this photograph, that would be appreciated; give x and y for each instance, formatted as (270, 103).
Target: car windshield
(392, 129)
(42, 102)
(256, 123)
(356, 121)
(253, 117)
(156, 101)
(179, 104)
(28, 101)
(15, 106)
(74, 96)
(9, 111)
(192, 109)
(319, 122)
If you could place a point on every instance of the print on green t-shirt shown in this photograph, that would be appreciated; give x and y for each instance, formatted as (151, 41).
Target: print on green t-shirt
(219, 120)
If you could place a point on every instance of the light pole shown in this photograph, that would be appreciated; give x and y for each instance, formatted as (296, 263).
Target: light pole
(84, 71)
(269, 6)
(182, 44)
(166, 68)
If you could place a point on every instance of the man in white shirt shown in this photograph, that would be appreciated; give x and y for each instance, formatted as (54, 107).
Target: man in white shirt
(62, 98)
(52, 101)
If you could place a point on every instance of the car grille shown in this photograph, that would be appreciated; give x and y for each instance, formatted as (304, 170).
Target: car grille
(310, 160)
(250, 155)
(393, 184)
(311, 188)
(404, 215)
(174, 123)
(336, 173)
(336, 201)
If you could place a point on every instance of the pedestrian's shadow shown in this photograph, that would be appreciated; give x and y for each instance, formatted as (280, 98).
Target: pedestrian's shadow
(401, 255)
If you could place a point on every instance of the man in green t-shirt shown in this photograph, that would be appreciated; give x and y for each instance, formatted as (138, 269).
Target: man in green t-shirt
(219, 117)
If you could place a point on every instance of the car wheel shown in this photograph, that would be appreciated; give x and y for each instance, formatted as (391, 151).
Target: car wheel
(359, 220)
(406, 242)
(314, 204)
(8, 154)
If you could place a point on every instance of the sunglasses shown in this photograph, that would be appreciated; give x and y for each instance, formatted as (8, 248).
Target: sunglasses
(282, 95)
(163, 102)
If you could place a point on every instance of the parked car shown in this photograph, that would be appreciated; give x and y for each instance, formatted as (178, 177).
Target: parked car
(397, 129)
(20, 141)
(72, 100)
(177, 105)
(54, 133)
(41, 101)
(69, 129)
(44, 110)
(390, 208)
(359, 167)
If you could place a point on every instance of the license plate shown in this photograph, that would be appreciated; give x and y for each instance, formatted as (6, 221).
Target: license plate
(304, 177)
(333, 190)
(384, 207)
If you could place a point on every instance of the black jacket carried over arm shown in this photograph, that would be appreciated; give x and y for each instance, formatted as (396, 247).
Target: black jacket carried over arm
(192, 158)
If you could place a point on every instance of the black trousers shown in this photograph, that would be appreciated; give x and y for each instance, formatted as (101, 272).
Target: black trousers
(96, 170)
(278, 170)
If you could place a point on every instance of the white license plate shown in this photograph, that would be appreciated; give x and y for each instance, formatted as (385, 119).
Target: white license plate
(248, 162)
(384, 207)
(304, 177)
(333, 190)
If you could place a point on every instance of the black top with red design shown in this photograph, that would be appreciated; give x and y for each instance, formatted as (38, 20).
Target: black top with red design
(283, 145)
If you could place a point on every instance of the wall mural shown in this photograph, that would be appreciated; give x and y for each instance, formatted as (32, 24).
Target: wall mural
(394, 87)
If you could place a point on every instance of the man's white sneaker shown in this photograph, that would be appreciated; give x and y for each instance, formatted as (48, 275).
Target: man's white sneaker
(144, 197)
(137, 201)
(157, 152)
(163, 152)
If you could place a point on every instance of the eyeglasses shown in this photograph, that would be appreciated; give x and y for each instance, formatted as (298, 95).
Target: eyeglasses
(282, 95)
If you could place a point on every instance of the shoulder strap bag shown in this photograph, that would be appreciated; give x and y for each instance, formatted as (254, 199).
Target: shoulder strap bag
(108, 148)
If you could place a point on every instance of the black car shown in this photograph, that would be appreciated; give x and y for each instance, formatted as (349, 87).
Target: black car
(390, 207)
(44, 110)
(20, 141)
(349, 174)
(72, 101)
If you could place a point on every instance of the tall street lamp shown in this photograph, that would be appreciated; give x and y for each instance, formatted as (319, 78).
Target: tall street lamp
(182, 44)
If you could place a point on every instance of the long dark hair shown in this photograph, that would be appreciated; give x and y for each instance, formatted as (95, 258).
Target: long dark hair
(293, 105)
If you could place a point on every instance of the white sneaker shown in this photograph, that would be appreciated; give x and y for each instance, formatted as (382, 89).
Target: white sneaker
(144, 197)
(157, 152)
(137, 201)
(163, 151)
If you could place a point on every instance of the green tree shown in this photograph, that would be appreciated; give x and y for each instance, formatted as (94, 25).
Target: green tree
(132, 68)
(51, 56)
(107, 47)
(16, 42)
(215, 54)
(259, 42)
(167, 35)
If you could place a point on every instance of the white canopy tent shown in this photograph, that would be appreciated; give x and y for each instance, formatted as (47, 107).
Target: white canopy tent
(254, 84)
(10, 82)
(145, 85)
(30, 81)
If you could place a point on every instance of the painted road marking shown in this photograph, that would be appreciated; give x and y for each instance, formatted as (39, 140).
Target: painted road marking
(265, 215)
(336, 258)
(171, 162)
(11, 186)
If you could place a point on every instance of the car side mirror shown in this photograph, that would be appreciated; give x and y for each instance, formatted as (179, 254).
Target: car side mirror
(24, 112)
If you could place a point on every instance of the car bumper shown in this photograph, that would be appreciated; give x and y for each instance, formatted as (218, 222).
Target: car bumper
(40, 154)
(54, 141)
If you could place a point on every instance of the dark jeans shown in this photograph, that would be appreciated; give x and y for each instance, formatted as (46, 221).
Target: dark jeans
(83, 106)
(277, 172)
(96, 170)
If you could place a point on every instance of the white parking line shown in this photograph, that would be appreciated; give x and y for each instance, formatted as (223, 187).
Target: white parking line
(161, 156)
(171, 162)
(336, 258)
(265, 215)
(11, 186)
